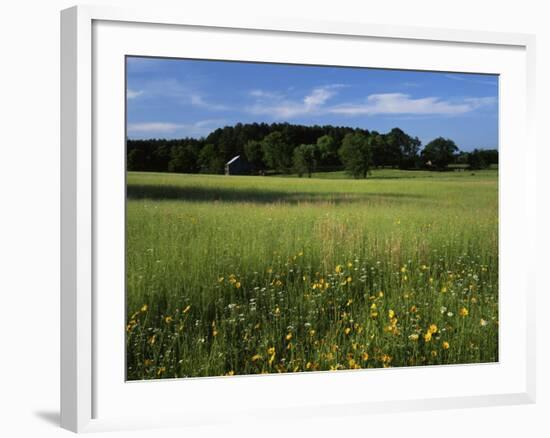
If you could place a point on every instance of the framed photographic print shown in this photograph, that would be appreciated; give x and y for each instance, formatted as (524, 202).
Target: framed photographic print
(277, 216)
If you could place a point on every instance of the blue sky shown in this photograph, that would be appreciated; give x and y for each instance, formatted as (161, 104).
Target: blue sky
(175, 98)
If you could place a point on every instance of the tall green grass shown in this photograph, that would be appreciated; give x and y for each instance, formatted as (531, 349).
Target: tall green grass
(242, 275)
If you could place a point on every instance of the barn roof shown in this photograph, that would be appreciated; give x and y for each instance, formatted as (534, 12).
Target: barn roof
(233, 159)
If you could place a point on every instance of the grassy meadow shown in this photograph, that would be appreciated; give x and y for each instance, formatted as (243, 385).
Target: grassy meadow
(244, 275)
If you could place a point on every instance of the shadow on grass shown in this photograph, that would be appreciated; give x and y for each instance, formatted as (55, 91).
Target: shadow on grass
(204, 194)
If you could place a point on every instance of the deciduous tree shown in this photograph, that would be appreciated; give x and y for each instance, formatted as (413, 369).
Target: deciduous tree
(356, 154)
(304, 159)
(439, 153)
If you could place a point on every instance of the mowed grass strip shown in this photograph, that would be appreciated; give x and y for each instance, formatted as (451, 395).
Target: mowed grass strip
(245, 275)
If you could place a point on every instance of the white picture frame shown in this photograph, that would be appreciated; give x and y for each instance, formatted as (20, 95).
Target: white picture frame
(87, 388)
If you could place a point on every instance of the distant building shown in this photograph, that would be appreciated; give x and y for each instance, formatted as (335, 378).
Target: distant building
(239, 166)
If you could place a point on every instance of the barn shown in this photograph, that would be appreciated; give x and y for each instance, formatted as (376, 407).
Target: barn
(238, 165)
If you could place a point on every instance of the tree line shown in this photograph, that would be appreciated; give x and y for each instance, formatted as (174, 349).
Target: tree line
(287, 148)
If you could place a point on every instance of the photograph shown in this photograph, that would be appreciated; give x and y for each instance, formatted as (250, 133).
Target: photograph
(286, 218)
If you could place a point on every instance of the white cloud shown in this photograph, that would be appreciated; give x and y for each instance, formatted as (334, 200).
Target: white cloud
(158, 127)
(173, 89)
(196, 129)
(132, 94)
(471, 79)
(198, 100)
(318, 97)
(262, 94)
(477, 102)
(399, 103)
(280, 108)
(316, 103)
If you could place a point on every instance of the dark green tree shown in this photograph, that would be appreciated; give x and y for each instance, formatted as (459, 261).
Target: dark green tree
(210, 160)
(356, 154)
(380, 153)
(403, 148)
(490, 156)
(304, 159)
(183, 159)
(327, 149)
(439, 153)
(136, 160)
(254, 153)
(476, 160)
(277, 151)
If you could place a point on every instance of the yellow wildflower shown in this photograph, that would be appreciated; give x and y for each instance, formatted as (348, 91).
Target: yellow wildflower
(428, 337)
(144, 308)
(445, 345)
(391, 313)
(414, 337)
(365, 356)
(288, 336)
(338, 269)
(238, 284)
(168, 319)
(432, 329)
(347, 330)
(463, 312)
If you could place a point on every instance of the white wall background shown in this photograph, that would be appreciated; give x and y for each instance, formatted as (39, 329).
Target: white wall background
(29, 214)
